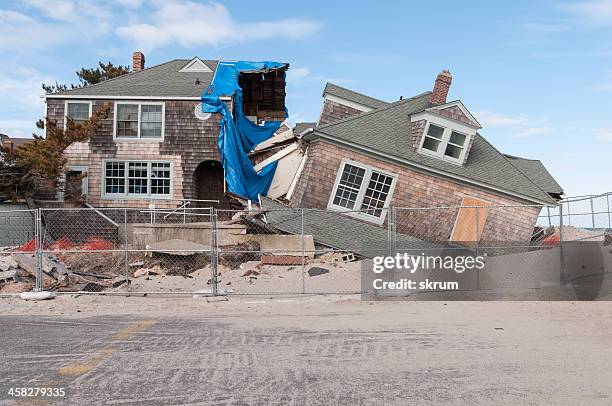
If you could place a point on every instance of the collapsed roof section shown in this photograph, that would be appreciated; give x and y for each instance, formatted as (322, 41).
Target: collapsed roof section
(333, 229)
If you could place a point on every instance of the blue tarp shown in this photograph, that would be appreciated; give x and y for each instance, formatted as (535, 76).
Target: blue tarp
(239, 135)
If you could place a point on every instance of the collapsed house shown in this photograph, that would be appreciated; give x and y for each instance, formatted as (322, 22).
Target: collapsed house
(211, 130)
(193, 130)
(365, 155)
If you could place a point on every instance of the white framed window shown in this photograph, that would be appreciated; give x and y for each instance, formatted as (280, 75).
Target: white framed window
(444, 142)
(137, 179)
(362, 191)
(77, 111)
(136, 120)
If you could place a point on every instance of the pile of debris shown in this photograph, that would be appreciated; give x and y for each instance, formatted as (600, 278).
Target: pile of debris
(96, 270)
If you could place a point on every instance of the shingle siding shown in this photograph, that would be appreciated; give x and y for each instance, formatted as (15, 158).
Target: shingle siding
(333, 111)
(413, 189)
(187, 142)
(453, 112)
(417, 130)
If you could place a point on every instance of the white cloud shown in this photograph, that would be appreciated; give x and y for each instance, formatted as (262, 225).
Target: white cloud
(594, 12)
(296, 74)
(533, 132)
(520, 126)
(299, 75)
(64, 10)
(19, 32)
(21, 87)
(129, 3)
(190, 24)
(21, 107)
(603, 134)
(489, 119)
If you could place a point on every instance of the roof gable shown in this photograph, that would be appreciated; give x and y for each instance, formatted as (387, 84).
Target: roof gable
(457, 111)
(195, 65)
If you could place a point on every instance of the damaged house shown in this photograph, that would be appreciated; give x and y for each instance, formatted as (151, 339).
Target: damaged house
(157, 143)
(365, 155)
(171, 127)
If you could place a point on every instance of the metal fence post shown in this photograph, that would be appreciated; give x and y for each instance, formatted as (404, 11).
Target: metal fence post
(125, 243)
(548, 211)
(38, 248)
(561, 260)
(395, 230)
(609, 218)
(214, 258)
(303, 253)
(477, 246)
(592, 213)
(390, 231)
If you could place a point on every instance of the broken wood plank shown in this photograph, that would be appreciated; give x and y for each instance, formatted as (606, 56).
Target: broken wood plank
(280, 260)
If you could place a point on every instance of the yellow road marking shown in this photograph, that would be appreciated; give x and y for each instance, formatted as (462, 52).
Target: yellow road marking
(132, 329)
(79, 368)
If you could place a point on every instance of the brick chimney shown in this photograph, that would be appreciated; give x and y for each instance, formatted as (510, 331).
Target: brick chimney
(138, 61)
(440, 90)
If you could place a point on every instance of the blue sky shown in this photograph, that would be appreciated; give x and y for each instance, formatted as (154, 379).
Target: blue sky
(537, 74)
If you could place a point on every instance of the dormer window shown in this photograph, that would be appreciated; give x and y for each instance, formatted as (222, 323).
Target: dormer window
(444, 142)
(444, 132)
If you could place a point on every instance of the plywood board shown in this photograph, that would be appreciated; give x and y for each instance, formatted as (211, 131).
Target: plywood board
(470, 221)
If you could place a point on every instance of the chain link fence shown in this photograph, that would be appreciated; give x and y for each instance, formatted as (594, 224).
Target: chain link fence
(581, 217)
(276, 250)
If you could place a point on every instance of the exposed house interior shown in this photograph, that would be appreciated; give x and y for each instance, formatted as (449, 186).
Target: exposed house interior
(263, 95)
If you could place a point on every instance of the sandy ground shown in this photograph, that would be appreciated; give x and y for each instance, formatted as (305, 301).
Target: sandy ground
(266, 279)
(308, 350)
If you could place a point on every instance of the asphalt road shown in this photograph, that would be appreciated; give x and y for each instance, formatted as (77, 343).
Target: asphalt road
(350, 357)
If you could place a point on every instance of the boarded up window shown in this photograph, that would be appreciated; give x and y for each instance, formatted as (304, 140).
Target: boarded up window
(470, 221)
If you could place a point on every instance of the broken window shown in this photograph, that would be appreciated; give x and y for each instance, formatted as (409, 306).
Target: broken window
(363, 189)
(263, 95)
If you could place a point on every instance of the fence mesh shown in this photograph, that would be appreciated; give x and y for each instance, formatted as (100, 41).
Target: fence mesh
(18, 261)
(278, 250)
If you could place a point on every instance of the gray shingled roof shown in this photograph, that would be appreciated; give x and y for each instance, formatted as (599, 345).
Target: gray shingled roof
(386, 131)
(162, 80)
(537, 172)
(353, 96)
(334, 229)
(301, 127)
